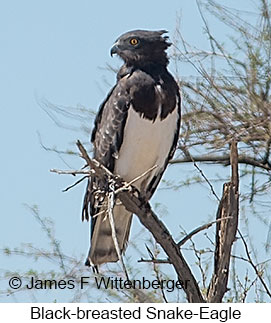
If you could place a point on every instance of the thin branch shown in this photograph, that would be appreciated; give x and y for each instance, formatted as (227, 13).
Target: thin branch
(99, 169)
(222, 159)
(197, 230)
(254, 266)
(128, 185)
(205, 178)
(70, 172)
(157, 274)
(155, 261)
(184, 240)
(76, 183)
(51, 237)
(111, 203)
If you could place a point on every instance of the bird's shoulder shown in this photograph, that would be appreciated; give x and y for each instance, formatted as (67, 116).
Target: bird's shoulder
(131, 86)
(148, 92)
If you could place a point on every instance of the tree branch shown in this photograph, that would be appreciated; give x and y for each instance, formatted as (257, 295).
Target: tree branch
(227, 220)
(159, 231)
(155, 261)
(150, 220)
(222, 159)
(225, 232)
(259, 275)
(197, 230)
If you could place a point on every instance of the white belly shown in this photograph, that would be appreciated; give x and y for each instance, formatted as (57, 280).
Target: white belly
(145, 144)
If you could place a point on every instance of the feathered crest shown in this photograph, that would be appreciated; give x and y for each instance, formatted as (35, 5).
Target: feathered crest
(151, 47)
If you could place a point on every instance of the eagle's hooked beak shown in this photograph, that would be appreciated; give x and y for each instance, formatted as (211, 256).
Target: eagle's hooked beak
(114, 49)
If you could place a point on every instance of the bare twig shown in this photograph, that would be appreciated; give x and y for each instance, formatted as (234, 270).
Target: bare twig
(222, 159)
(111, 202)
(259, 275)
(155, 261)
(207, 181)
(184, 240)
(99, 169)
(128, 185)
(74, 184)
(197, 230)
(201, 173)
(70, 172)
(157, 274)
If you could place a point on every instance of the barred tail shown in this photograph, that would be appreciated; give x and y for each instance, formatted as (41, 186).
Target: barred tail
(102, 249)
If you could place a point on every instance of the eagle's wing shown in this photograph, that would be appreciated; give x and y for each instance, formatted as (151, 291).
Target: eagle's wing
(106, 137)
(106, 134)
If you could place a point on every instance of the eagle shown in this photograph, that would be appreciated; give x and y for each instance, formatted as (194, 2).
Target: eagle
(136, 129)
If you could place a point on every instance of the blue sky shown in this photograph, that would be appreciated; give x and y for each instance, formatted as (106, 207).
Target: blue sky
(57, 50)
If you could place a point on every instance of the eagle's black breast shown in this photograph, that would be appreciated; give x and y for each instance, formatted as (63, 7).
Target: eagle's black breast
(150, 87)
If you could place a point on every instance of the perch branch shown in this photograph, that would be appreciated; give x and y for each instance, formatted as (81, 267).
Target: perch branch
(227, 219)
(149, 219)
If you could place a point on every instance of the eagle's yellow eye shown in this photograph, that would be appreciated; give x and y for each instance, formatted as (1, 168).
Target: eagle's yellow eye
(133, 41)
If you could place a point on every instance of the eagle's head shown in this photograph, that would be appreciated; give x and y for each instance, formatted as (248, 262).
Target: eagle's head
(140, 47)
